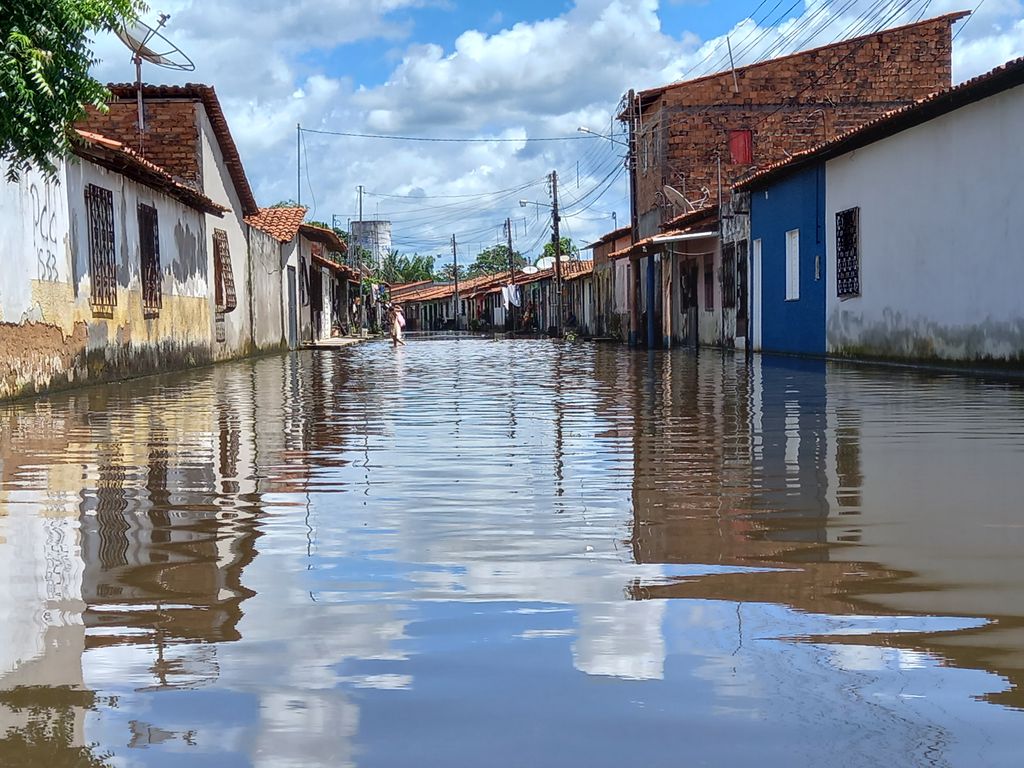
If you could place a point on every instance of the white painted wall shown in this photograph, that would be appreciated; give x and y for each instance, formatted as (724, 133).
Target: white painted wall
(941, 238)
(218, 186)
(34, 240)
(269, 283)
(184, 258)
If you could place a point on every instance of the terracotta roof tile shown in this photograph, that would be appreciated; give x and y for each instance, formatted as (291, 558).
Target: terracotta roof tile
(280, 223)
(324, 236)
(117, 157)
(573, 270)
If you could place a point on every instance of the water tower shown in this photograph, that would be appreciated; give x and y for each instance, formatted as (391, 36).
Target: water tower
(374, 237)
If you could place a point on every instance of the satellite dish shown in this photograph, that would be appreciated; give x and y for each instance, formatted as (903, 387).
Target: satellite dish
(529, 270)
(147, 44)
(677, 199)
(546, 262)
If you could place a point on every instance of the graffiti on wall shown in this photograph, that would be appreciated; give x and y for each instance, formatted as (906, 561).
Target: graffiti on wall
(44, 229)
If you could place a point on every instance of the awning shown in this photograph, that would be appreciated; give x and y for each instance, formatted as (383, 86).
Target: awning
(657, 243)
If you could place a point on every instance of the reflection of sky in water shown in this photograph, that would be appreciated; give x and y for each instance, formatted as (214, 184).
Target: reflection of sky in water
(465, 590)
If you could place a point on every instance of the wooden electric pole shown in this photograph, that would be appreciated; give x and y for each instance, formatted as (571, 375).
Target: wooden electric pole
(511, 276)
(555, 218)
(455, 270)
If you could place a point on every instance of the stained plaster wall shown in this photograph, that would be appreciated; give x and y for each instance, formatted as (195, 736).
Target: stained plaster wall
(267, 266)
(940, 239)
(219, 187)
(52, 338)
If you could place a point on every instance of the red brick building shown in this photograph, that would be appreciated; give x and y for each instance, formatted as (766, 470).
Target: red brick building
(700, 136)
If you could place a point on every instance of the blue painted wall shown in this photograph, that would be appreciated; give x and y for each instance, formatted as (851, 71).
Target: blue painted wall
(795, 202)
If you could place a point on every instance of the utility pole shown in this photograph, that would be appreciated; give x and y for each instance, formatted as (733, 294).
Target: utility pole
(511, 275)
(359, 262)
(555, 218)
(298, 163)
(455, 271)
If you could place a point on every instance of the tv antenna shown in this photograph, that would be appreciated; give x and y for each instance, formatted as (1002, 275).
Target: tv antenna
(148, 44)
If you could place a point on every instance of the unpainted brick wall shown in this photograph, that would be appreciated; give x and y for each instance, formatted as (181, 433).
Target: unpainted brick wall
(790, 104)
(172, 133)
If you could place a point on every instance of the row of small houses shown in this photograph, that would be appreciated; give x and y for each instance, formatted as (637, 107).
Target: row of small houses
(483, 303)
(845, 201)
(147, 252)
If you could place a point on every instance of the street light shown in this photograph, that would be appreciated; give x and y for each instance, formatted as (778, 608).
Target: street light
(584, 129)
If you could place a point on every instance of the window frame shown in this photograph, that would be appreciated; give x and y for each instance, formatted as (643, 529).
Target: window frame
(149, 258)
(848, 255)
(729, 275)
(99, 211)
(793, 265)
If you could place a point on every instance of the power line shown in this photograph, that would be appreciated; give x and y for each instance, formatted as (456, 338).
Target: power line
(449, 139)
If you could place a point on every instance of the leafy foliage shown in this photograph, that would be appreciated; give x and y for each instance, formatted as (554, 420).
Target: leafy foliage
(447, 272)
(45, 56)
(566, 246)
(397, 269)
(493, 260)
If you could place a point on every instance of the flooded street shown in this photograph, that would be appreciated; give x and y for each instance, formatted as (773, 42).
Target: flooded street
(479, 553)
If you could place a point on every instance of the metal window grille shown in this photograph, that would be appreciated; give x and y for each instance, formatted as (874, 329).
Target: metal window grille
(709, 283)
(729, 276)
(99, 204)
(848, 252)
(224, 280)
(149, 257)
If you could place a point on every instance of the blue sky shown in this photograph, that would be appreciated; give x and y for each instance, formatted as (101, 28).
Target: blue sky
(455, 68)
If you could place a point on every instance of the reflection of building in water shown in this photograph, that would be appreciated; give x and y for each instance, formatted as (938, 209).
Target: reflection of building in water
(41, 632)
(168, 526)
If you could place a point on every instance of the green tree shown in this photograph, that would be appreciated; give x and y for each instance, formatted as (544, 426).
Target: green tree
(397, 269)
(447, 272)
(493, 260)
(567, 247)
(45, 55)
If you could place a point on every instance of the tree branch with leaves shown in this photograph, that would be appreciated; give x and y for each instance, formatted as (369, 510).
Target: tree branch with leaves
(45, 85)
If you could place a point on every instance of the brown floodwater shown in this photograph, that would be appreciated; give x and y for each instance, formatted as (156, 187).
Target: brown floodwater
(494, 553)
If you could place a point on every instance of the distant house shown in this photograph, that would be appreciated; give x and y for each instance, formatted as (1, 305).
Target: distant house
(311, 294)
(611, 278)
(692, 140)
(901, 239)
(580, 296)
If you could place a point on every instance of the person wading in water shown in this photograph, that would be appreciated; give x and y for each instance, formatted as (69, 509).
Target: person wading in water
(397, 325)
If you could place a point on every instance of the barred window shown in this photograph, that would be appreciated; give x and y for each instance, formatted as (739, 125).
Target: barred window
(848, 253)
(223, 278)
(149, 257)
(729, 275)
(99, 206)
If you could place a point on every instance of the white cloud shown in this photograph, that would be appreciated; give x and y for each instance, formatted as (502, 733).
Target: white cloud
(275, 65)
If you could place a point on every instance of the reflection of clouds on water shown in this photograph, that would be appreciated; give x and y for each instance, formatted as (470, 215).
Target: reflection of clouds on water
(622, 639)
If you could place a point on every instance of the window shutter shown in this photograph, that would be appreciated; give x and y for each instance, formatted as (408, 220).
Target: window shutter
(741, 147)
